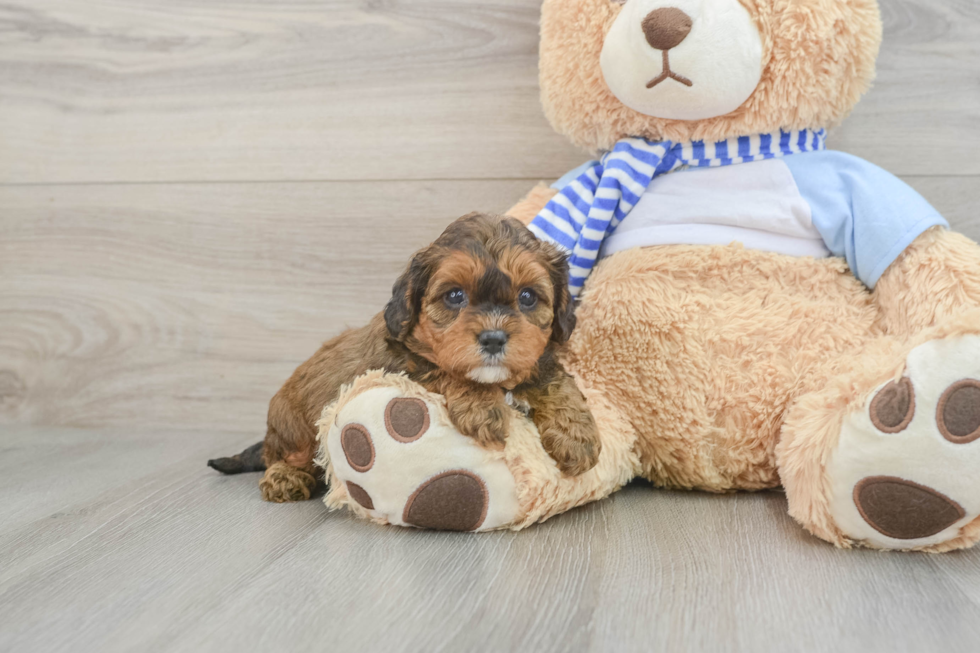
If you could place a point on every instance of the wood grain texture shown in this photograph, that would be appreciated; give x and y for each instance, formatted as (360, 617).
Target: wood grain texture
(145, 90)
(237, 90)
(187, 306)
(164, 555)
(162, 316)
(923, 114)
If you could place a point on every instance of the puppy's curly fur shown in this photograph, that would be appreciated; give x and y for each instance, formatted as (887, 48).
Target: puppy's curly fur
(478, 316)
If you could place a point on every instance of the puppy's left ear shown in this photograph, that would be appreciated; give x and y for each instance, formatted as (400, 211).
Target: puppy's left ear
(564, 306)
(402, 310)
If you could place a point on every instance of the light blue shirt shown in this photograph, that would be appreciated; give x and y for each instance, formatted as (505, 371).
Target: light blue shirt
(865, 214)
(807, 204)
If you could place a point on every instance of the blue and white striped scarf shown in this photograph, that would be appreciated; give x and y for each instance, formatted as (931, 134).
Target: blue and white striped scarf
(591, 206)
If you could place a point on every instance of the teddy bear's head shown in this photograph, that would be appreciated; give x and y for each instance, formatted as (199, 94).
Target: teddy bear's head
(702, 69)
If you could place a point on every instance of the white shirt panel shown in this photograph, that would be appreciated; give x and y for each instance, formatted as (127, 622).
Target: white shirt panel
(757, 204)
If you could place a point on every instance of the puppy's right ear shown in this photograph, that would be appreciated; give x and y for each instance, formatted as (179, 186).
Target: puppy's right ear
(402, 310)
(563, 322)
(397, 310)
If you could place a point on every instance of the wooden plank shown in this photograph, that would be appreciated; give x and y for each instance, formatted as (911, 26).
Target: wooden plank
(923, 115)
(239, 90)
(74, 465)
(58, 483)
(127, 560)
(179, 558)
(187, 306)
(308, 90)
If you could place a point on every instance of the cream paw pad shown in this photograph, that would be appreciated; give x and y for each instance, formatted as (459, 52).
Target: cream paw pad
(904, 473)
(393, 456)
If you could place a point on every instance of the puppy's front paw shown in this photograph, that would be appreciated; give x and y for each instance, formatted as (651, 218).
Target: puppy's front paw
(486, 425)
(482, 416)
(574, 455)
(283, 484)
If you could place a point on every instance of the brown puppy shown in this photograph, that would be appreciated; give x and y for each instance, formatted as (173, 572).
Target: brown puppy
(478, 317)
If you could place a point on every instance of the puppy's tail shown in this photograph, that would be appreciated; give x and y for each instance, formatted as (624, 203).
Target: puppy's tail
(249, 460)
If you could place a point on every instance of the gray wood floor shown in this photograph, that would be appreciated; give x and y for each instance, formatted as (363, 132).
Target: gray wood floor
(194, 195)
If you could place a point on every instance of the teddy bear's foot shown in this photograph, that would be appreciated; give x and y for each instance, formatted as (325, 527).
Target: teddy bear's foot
(393, 456)
(904, 472)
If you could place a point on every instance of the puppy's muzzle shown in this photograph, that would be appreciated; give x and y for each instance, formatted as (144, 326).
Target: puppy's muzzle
(492, 341)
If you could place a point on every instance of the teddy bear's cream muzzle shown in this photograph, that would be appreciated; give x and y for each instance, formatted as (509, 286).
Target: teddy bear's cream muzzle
(682, 59)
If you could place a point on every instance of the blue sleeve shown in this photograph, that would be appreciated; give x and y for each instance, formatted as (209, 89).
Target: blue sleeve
(567, 178)
(864, 214)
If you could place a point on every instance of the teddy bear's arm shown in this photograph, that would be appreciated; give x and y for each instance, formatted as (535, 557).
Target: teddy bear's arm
(864, 214)
(533, 202)
(937, 276)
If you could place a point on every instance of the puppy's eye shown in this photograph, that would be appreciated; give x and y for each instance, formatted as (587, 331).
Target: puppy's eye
(456, 298)
(528, 298)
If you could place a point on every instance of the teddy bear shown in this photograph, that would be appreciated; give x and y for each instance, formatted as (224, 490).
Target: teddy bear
(754, 310)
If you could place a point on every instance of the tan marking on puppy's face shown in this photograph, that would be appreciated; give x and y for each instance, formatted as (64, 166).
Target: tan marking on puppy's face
(531, 333)
(487, 313)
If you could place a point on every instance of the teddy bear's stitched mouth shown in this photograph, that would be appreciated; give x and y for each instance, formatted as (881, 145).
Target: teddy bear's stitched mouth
(668, 74)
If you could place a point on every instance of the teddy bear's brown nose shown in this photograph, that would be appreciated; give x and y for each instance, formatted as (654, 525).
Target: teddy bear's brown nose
(666, 27)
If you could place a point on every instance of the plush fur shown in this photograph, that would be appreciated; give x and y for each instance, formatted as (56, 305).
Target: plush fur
(719, 368)
(736, 368)
(712, 368)
(540, 489)
(818, 59)
(483, 275)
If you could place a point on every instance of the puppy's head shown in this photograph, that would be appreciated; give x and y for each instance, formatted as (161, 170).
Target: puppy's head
(484, 301)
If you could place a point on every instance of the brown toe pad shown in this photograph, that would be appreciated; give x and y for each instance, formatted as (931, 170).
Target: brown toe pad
(406, 418)
(452, 501)
(958, 412)
(893, 407)
(358, 448)
(360, 495)
(904, 510)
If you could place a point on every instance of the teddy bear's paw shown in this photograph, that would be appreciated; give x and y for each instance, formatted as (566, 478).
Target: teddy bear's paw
(397, 455)
(904, 473)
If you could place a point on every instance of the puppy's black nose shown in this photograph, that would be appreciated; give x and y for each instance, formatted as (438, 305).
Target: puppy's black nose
(492, 341)
(666, 27)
